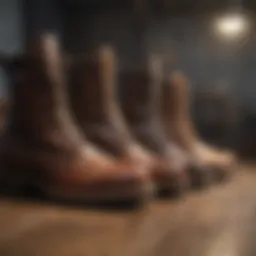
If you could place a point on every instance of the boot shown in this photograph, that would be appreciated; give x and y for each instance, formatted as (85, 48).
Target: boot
(44, 148)
(175, 106)
(139, 104)
(201, 175)
(95, 107)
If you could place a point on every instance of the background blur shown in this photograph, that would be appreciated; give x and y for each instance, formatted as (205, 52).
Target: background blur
(181, 32)
(221, 68)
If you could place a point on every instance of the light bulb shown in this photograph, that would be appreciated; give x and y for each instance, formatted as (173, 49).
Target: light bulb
(232, 26)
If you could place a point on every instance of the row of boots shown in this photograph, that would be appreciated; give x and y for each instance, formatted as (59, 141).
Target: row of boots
(72, 137)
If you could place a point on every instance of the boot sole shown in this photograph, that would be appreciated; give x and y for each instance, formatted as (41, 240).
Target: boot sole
(171, 189)
(200, 179)
(136, 193)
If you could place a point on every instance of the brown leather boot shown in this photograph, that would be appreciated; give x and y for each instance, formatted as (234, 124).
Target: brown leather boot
(43, 146)
(180, 129)
(201, 174)
(140, 107)
(95, 106)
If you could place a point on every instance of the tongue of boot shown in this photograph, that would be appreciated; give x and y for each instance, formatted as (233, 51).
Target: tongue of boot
(94, 100)
(40, 113)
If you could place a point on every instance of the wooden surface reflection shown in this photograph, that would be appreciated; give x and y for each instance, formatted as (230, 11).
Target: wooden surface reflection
(217, 222)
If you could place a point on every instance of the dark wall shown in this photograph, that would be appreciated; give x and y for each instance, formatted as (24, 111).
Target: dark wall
(42, 15)
(190, 44)
(88, 26)
(11, 33)
(84, 26)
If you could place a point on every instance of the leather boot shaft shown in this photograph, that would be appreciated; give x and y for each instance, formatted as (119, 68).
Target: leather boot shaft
(95, 103)
(175, 110)
(140, 105)
(40, 111)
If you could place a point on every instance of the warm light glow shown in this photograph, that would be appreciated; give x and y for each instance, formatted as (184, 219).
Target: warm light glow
(232, 26)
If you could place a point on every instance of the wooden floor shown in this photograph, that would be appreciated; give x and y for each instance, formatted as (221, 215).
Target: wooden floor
(218, 222)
